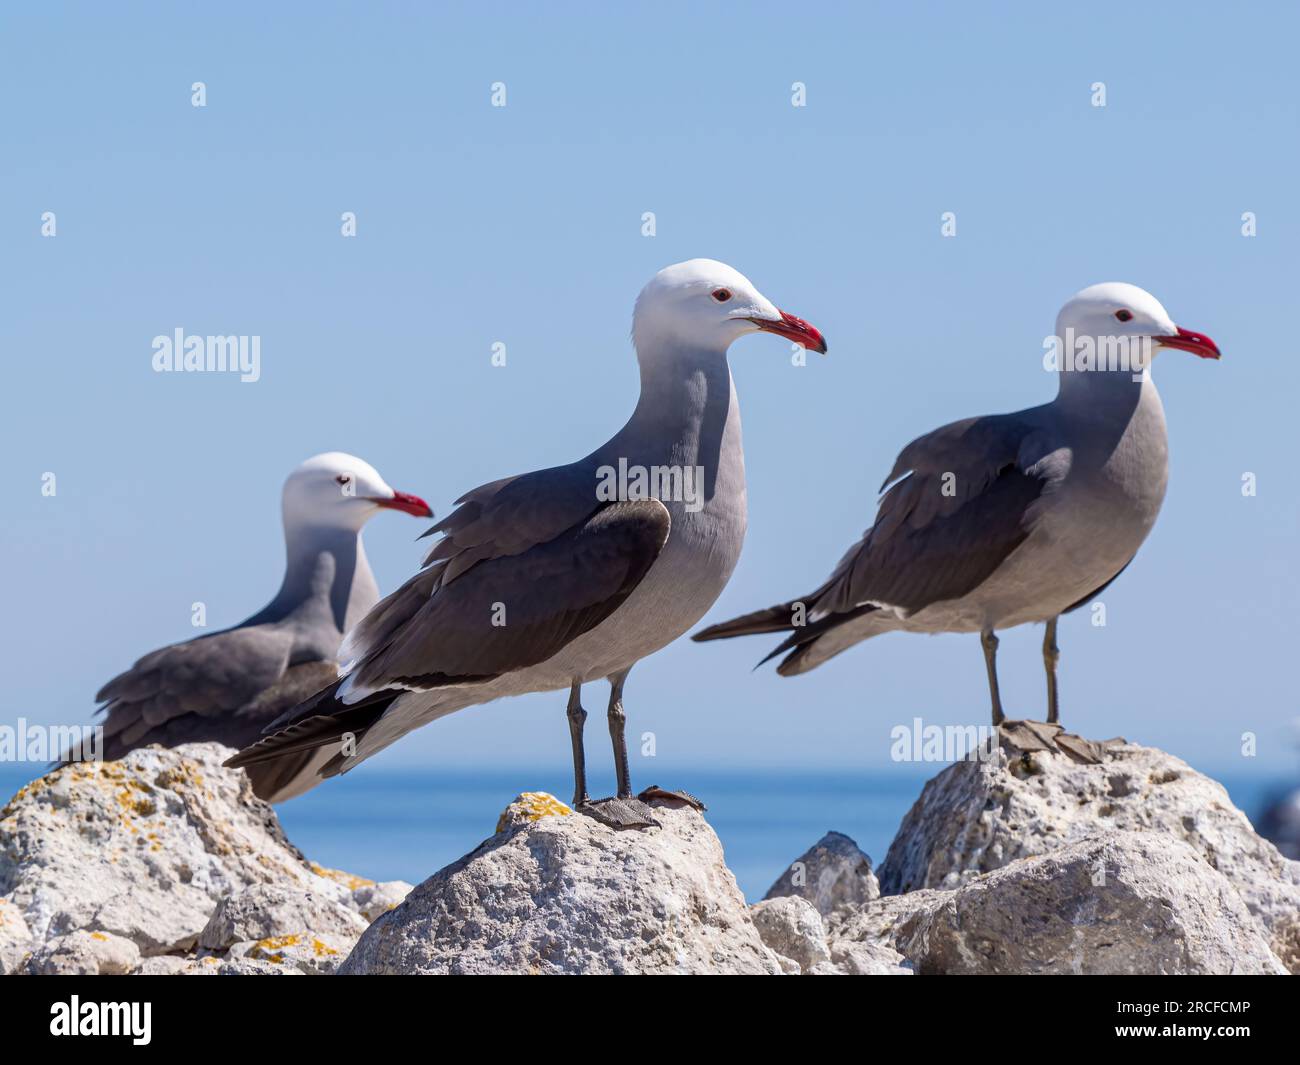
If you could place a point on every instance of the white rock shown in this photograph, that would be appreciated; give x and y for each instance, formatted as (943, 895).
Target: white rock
(214, 966)
(864, 940)
(792, 927)
(267, 910)
(832, 873)
(15, 939)
(373, 900)
(163, 965)
(864, 959)
(143, 848)
(976, 817)
(556, 892)
(1126, 902)
(313, 954)
(84, 953)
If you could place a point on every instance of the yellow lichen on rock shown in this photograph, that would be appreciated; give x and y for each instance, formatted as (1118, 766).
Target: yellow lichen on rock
(531, 806)
(271, 949)
(349, 880)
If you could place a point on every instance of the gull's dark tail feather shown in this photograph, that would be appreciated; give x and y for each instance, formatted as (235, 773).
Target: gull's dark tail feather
(287, 760)
(779, 618)
(282, 777)
(801, 641)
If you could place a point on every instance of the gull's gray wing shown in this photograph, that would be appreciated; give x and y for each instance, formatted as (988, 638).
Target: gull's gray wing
(201, 690)
(495, 520)
(957, 503)
(515, 610)
(502, 614)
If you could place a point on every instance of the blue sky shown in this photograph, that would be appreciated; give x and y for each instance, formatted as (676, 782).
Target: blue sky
(523, 225)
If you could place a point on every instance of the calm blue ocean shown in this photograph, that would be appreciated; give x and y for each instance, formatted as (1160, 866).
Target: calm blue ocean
(406, 824)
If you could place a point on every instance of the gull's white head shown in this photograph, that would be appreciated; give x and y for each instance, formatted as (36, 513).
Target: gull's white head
(340, 491)
(1117, 310)
(705, 305)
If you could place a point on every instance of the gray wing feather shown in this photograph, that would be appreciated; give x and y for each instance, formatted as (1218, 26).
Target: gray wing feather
(193, 690)
(957, 503)
(495, 520)
(552, 593)
(515, 610)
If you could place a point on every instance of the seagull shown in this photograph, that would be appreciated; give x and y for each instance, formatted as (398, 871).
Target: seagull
(997, 521)
(225, 687)
(551, 579)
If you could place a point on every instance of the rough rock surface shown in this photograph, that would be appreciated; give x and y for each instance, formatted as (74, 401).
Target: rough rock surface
(864, 941)
(268, 910)
(15, 939)
(1122, 902)
(84, 953)
(211, 965)
(142, 848)
(831, 874)
(1128, 902)
(1033, 862)
(143, 857)
(977, 817)
(372, 900)
(792, 927)
(314, 954)
(554, 891)
(165, 965)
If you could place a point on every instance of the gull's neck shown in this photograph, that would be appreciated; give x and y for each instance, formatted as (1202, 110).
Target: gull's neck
(1107, 406)
(686, 415)
(327, 578)
(685, 399)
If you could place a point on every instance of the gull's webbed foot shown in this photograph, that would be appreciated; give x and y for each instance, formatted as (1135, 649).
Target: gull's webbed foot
(654, 791)
(619, 813)
(1025, 737)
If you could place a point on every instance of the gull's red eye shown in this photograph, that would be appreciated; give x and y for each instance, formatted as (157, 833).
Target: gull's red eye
(722, 294)
(1124, 316)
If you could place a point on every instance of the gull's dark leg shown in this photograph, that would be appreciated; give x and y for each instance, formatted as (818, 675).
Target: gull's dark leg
(1051, 655)
(578, 719)
(990, 644)
(620, 811)
(617, 735)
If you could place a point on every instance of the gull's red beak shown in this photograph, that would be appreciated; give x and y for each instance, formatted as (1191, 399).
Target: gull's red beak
(1196, 343)
(795, 329)
(406, 503)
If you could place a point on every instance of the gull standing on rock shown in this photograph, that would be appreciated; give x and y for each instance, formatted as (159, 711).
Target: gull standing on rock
(227, 686)
(993, 522)
(548, 580)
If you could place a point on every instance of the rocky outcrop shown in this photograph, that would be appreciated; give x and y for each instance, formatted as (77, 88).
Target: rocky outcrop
(978, 817)
(554, 891)
(832, 874)
(824, 886)
(1091, 858)
(267, 910)
(166, 853)
(1126, 902)
(1099, 858)
(84, 953)
(792, 928)
(15, 938)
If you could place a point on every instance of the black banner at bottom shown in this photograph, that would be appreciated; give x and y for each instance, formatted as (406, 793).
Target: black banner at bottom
(174, 1013)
